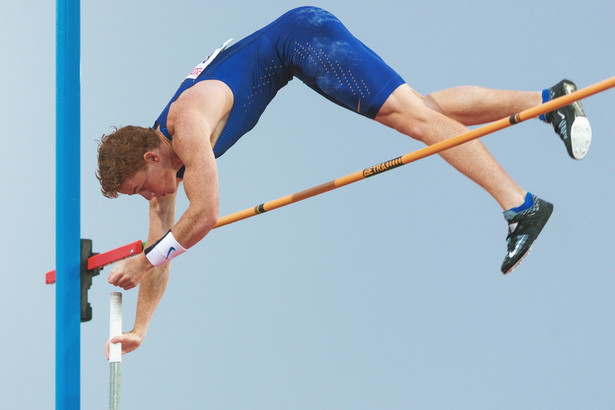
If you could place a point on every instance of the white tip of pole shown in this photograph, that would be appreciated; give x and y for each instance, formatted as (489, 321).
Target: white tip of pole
(115, 326)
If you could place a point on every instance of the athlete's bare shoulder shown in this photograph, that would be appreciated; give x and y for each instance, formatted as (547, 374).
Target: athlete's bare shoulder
(208, 89)
(209, 100)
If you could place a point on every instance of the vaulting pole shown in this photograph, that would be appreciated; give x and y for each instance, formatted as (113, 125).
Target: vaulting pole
(68, 248)
(421, 153)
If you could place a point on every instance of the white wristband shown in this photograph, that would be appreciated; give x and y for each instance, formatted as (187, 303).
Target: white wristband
(164, 250)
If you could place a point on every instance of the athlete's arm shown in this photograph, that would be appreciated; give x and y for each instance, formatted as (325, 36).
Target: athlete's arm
(153, 286)
(191, 143)
(194, 118)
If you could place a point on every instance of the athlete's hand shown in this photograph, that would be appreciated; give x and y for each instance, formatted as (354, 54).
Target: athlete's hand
(130, 272)
(129, 340)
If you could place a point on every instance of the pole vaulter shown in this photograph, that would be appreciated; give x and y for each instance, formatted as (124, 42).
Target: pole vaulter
(96, 262)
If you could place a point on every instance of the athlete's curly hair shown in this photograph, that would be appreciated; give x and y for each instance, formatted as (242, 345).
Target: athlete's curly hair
(120, 155)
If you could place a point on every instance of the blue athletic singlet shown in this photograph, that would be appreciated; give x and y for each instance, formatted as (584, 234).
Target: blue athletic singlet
(308, 43)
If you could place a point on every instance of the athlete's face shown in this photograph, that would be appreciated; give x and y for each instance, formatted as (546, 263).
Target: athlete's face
(152, 181)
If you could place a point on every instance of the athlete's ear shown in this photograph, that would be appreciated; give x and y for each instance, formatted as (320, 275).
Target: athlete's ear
(151, 157)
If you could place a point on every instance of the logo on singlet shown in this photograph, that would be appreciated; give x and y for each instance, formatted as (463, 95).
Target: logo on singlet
(203, 64)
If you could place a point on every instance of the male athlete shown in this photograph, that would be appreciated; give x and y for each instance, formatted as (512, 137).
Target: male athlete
(223, 98)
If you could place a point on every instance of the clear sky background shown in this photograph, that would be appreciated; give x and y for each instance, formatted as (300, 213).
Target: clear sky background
(385, 294)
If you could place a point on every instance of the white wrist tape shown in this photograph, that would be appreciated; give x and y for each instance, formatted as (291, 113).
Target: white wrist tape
(164, 250)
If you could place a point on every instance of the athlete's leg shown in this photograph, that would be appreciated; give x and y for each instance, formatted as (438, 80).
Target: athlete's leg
(471, 105)
(407, 112)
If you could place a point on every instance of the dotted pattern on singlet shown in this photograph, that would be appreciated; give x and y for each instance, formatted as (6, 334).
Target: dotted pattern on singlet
(345, 78)
(264, 83)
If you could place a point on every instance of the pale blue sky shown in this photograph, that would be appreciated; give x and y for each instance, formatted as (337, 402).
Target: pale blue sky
(385, 294)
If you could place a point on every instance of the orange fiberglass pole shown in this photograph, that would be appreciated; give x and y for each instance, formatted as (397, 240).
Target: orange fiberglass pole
(421, 153)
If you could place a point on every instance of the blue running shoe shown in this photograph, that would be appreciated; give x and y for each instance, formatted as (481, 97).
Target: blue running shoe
(570, 122)
(523, 229)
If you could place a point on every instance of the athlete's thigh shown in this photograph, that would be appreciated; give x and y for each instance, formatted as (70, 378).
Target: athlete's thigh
(329, 59)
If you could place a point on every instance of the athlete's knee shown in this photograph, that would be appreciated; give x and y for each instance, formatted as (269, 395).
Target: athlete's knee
(419, 126)
(432, 103)
(408, 113)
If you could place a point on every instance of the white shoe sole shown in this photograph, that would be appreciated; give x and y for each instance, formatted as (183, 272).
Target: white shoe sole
(580, 137)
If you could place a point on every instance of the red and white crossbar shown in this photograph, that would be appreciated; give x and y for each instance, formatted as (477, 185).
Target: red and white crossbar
(106, 258)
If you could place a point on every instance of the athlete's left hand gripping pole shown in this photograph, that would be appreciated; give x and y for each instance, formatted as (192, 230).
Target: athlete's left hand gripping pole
(91, 264)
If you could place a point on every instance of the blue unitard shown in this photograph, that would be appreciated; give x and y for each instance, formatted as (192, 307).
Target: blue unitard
(308, 43)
